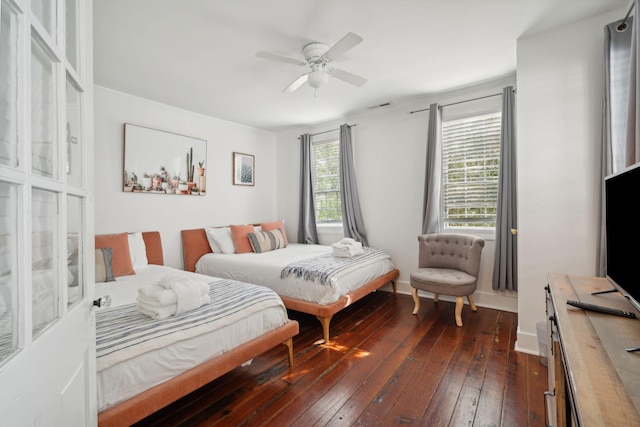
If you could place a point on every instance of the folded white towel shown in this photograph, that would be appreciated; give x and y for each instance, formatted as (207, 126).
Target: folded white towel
(163, 311)
(348, 253)
(347, 248)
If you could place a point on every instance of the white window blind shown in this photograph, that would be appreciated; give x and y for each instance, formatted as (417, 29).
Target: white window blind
(470, 168)
(326, 181)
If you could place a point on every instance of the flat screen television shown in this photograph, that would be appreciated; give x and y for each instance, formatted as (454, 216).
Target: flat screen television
(622, 219)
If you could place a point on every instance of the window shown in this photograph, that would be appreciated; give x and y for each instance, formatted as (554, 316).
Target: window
(326, 181)
(470, 170)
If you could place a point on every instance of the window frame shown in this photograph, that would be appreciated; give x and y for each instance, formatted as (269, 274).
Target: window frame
(331, 139)
(459, 112)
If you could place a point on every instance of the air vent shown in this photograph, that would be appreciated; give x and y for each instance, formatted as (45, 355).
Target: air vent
(386, 104)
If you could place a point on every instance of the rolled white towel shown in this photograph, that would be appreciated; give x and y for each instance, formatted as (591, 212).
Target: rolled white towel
(159, 312)
(168, 282)
(157, 294)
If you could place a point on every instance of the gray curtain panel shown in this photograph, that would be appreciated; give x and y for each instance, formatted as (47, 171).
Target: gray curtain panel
(505, 264)
(633, 117)
(352, 222)
(615, 108)
(307, 231)
(433, 172)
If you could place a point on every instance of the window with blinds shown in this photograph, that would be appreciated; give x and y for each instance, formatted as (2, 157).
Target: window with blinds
(326, 182)
(470, 169)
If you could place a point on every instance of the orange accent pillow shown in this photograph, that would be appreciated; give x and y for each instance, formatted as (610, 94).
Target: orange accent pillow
(268, 226)
(239, 233)
(121, 261)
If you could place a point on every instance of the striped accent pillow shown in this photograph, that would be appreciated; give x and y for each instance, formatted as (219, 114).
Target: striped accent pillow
(103, 269)
(265, 241)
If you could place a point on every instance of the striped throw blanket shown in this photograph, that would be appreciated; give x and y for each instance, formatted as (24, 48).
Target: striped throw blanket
(124, 332)
(325, 269)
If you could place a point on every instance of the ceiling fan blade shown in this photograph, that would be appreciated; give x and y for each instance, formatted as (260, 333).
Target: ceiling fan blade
(343, 45)
(279, 58)
(295, 85)
(348, 77)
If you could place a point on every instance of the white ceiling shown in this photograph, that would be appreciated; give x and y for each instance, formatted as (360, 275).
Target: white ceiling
(199, 55)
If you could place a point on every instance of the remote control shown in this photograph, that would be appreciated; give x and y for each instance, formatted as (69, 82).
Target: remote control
(601, 309)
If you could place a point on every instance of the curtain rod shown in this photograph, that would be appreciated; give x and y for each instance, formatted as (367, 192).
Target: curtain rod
(623, 24)
(460, 102)
(330, 130)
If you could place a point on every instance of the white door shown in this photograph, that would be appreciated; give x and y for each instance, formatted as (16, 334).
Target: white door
(47, 333)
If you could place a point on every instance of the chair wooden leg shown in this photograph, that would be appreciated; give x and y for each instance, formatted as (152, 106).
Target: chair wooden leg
(416, 300)
(459, 305)
(472, 304)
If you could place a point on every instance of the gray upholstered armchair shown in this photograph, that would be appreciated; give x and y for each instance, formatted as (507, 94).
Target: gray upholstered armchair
(448, 264)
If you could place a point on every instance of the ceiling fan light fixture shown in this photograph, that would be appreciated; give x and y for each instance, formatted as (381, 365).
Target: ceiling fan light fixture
(317, 78)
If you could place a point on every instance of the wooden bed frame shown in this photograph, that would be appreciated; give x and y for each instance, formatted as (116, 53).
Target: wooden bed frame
(195, 245)
(156, 398)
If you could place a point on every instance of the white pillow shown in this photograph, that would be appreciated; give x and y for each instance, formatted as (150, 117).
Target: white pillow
(137, 251)
(212, 243)
(220, 240)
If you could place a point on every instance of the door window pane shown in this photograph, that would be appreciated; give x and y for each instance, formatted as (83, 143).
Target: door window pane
(43, 113)
(74, 134)
(44, 259)
(45, 11)
(8, 276)
(75, 225)
(71, 32)
(8, 85)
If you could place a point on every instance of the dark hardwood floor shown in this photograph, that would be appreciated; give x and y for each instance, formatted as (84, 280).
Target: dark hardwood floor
(384, 366)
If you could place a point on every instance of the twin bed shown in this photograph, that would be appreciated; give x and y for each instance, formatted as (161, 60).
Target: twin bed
(142, 368)
(322, 298)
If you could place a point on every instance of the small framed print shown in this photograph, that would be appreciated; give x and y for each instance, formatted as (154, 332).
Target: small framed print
(244, 170)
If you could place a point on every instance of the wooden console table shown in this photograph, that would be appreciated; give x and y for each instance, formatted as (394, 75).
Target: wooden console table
(593, 380)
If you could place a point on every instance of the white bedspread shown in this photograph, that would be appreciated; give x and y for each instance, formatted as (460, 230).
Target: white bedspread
(127, 378)
(265, 268)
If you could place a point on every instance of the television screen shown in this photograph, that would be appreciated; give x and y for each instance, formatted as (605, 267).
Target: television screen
(622, 208)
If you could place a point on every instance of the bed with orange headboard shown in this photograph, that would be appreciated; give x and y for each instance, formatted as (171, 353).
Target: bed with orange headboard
(130, 409)
(198, 257)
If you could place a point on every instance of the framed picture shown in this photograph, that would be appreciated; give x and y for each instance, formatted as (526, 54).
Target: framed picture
(160, 162)
(244, 171)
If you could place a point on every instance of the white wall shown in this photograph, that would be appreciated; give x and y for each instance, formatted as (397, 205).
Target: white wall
(390, 155)
(560, 90)
(117, 211)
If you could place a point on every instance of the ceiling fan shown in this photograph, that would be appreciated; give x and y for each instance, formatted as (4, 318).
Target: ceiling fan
(318, 56)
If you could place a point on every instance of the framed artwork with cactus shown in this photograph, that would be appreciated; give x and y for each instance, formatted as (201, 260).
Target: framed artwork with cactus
(160, 162)
(244, 170)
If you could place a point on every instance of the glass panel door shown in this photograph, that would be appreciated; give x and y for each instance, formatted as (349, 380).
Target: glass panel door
(71, 11)
(8, 276)
(8, 85)
(75, 263)
(44, 259)
(74, 135)
(43, 113)
(45, 11)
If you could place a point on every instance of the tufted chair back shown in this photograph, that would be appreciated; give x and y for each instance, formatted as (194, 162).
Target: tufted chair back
(455, 251)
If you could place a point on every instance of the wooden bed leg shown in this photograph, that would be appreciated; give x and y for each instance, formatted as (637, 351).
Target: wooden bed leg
(289, 344)
(393, 285)
(325, 321)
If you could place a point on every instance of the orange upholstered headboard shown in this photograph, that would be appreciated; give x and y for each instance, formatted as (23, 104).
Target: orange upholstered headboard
(153, 244)
(194, 245)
